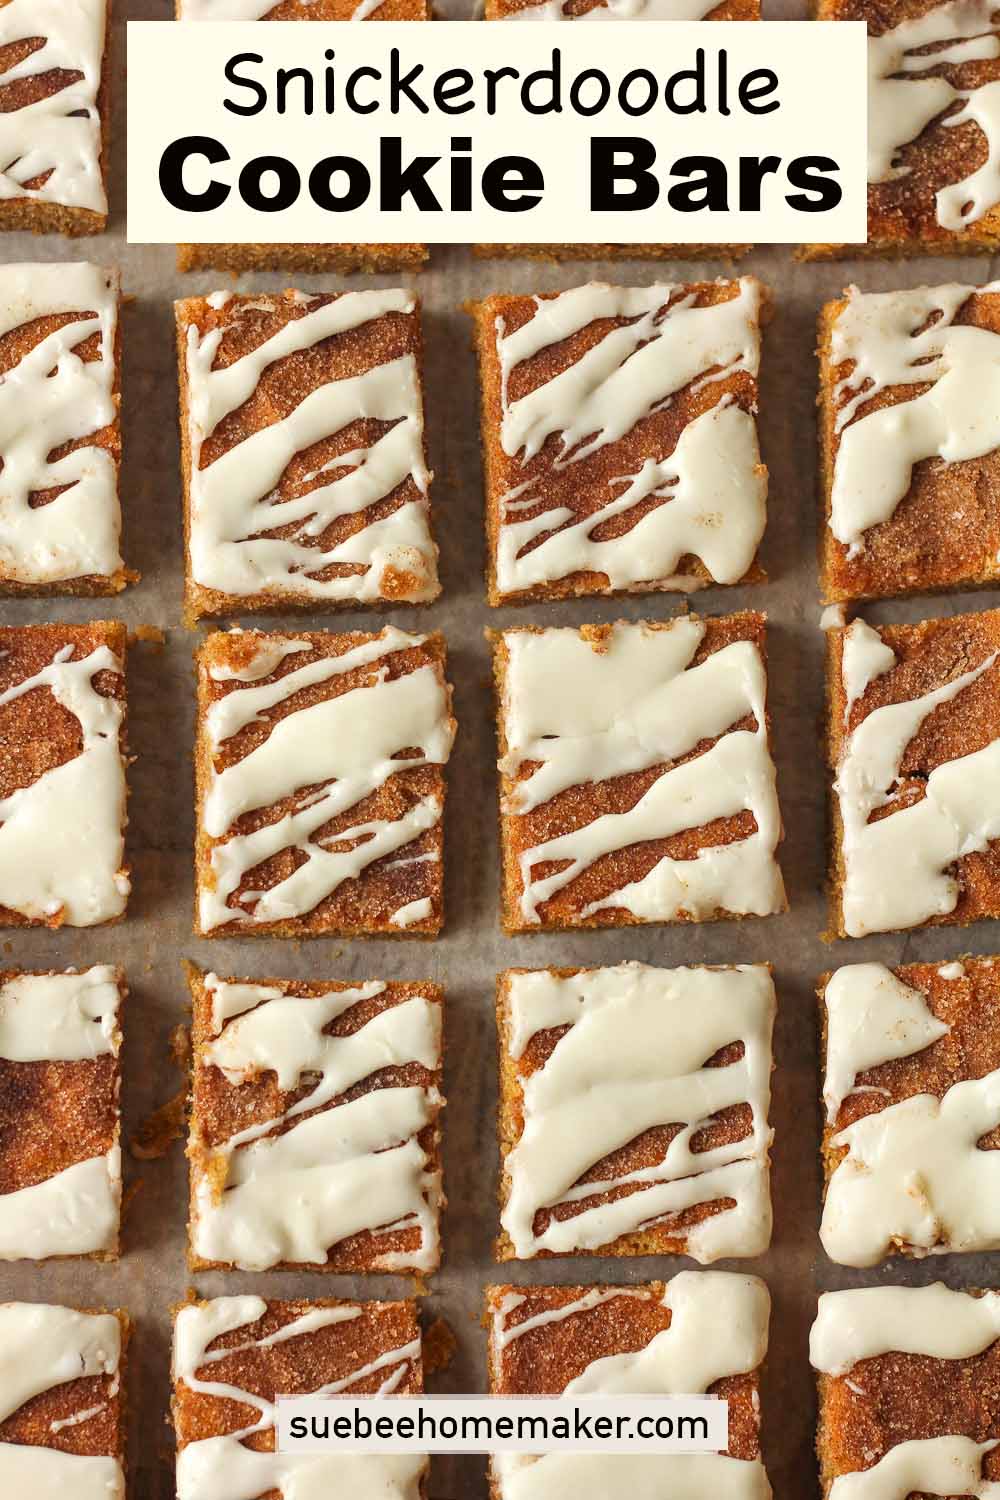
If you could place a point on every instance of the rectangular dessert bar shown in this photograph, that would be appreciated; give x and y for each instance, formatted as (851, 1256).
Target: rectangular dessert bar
(306, 256)
(314, 1125)
(62, 775)
(60, 1123)
(619, 438)
(912, 1088)
(303, 456)
(60, 434)
(233, 1356)
(320, 781)
(633, 1111)
(909, 441)
(704, 1332)
(913, 743)
(932, 153)
(54, 115)
(636, 777)
(908, 1380)
(62, 1402)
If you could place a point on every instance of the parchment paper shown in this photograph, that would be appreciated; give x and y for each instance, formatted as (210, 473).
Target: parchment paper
(156, 937)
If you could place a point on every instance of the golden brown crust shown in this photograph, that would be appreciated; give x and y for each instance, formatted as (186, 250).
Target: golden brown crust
(728, 1126)
(103, 1434)
(543, 1361)
(899, 1398)
(58, 1113)
(929, 654)
(220, 1109)
(37, 733)
(580, 805)
(902, 217)
(970, 1006)
(296, 1366)
(342, 259)
(945, 532)
(359, 907)
(28, 214)
(246, 322)
(590, 483)
(726, 10)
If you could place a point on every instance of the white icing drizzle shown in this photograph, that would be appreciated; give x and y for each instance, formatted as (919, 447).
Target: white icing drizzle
(618, 10)
(958, 815)
(268, 655)
(59, 1017)
(934, 1466)
(833, 617)
(865, 656)
(932, 1320)
(62, 837)
(634, 1058)
(915, 1176)
(49, 398)
(413, 911)
(712, 486)
(351, 743)
(357, 1166)
(905, 338)
(43, 1346)
(872, 1017)
(954, 970)
(595, 1476)
(222, 1468)
(903, 100)
(59, 135)
(586, 713)
(233, 499)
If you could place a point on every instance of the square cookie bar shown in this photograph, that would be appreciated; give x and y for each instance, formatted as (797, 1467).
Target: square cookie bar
(633, 1111)
(908, 1380)
(60, 436)
(619, 438)
(636, 777)
(303, 257)
(62, 1402)
(909, 441)
(233, 1356)
(705, 1332)
(912, 1087)
(62, 775)
(314, 1125)
(933, 71)
(320, 781)
(54, 116)
(914, 746)
(302, 442)
(60, 1125)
